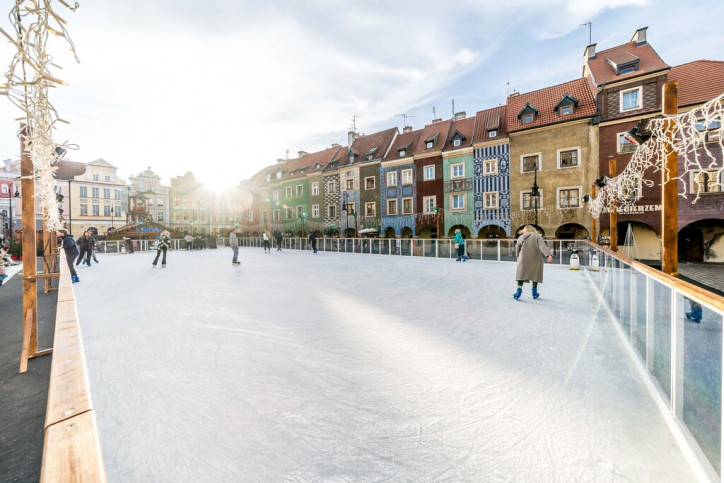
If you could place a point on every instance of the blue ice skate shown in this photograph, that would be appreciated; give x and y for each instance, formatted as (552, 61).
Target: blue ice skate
(518, 293)
(535, 293)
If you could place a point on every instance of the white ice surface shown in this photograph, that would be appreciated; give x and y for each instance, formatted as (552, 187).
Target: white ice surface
(342, 367)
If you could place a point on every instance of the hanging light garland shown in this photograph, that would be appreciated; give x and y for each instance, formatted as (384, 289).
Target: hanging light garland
(26, 85)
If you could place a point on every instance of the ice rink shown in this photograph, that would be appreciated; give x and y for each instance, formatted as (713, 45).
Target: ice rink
(300, 367)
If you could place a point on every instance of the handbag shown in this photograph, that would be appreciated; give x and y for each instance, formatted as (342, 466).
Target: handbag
(457, 245)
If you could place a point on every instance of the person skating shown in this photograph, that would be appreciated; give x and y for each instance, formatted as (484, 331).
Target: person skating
(696, 311)
(163, 244)
(234, 244)
(460, 245)
(265, 240)
(278, 239)
(313, 241)
(71, 251)
(85, 245)
(95, 249)
(528, 250)
(189, 242)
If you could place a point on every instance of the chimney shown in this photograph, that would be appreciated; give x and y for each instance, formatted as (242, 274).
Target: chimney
(639, 37)
(459, 115)
(302, 153)
(436, 120)
(351, 136)
(590, 52)
(407, 129)
(281, 161)
(335, 145)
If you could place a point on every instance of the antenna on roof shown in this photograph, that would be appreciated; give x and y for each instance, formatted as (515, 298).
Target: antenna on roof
(433, 113)
(507, 90)
(286, 156)
(404, 119)
(453, 108)
(354, 122)
(589, 30)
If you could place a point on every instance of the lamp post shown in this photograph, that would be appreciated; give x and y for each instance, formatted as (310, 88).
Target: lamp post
(345, 196)
(534, 192)
(13, 194)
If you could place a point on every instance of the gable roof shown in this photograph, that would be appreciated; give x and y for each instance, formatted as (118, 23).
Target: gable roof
(603, 72)
(407, 141)
(490, 120)
(436, 132)
(699, 81)
(546, 100)
(101, 162)
(372, 144)
(310, 163)
(465, 129)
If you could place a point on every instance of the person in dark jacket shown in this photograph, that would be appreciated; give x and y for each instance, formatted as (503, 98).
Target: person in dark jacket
(278, 239)
(71, 251)
(85, 245)
(313, 241)
(163, 244)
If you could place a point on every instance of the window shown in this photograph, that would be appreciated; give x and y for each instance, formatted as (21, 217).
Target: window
(706, 182)
(406, 176)
(249, 216)
(631, 99)
(159, 215)
(300, 190)
(275, 215)
(528, 202)
(492, 134)
(370, 183)
(150, 202)
(95, 177)
(108, 179)
(349, 184)
(288, 213)
(402, 153)
(428, 204)
(96, 210)
(529, 163)
(331, 211)
(84, 210)
(370, 209)
(624, 145)
(300, 211)
(456, 142)
(406, 206)
(429, 144)
(391, 207)
(457, 171)
(392, 178)
(117, 195)
(710, 132)
(631, 189)
(176, 203)
(490, 167)
(95, 192)
(626, 69)
(315, 211)
(279, 175)
(288, 191)
(349, 207)
(315, 189)
(429, 172)
(275, 195)
(528, 118)
(457, 202)
(268, 177)
(117, 211)
(106, 211)
(490, 200)
(83, 191)
(5, 189)
(569, 198)
(107, 193)
(564, 110)
(331, 186)
(568, 158)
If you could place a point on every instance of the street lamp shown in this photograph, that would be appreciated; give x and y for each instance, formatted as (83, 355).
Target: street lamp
(534, 192)
(345, 196)
(16, 194)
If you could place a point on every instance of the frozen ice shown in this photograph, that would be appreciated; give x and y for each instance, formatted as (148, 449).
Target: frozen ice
(296, 366)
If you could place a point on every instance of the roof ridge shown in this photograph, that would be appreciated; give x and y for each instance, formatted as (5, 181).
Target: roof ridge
(577, 80)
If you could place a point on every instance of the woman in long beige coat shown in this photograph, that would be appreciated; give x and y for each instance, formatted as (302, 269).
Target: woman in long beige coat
(529, 250)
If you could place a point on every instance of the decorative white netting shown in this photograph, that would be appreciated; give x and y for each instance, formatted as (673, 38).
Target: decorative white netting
(27, 84)
(697, 136)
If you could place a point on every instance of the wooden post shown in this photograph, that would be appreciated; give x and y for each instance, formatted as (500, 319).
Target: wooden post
(30, 291)
(613, 214)
(594, 234)
(669, 213)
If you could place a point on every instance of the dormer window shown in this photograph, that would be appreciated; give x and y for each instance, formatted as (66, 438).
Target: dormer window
(457, 138)
(624, 63)
(492, 134)
(402, 152)
(279, 175)
(565, 110)
(430, 140)
(567, 105)
(428, 145)
(268, 177)
(456, 142)
(528, 114)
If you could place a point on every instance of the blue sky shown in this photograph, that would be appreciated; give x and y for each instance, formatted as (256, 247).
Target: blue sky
(223, 88)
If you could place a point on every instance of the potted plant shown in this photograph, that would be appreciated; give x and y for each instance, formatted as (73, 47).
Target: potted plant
(15, 250)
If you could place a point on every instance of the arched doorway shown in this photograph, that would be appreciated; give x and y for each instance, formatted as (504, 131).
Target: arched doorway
(571, 231)
(390, 232)
(492, 231)
(540, 230)
(644, 244)
(93, 230)
(406, 232)
(702, 241)
(463, 229)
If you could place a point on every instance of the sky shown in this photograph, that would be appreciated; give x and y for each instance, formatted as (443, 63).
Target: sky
(224, 88)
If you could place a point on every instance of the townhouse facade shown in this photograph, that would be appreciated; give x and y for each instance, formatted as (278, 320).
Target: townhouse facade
(458, 172)
(398, 194)
(149, 198)
(429, 209)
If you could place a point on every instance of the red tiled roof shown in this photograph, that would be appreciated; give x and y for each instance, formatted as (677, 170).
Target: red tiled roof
(603, 72)
(466, 127)
(699, 81)
(407, 141)
(490, 119)
(545, 101)
(377, 142)
(437, 130)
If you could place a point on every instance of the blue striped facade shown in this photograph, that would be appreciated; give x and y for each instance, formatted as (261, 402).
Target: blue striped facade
(499, 182)
(398, 222)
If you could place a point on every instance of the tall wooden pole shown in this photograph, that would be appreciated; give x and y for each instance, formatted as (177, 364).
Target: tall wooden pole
(669, 213)
(594, 237)
(613, 229)
(30, 291)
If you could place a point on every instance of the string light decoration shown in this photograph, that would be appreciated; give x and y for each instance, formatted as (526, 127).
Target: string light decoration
(697, 136)
(27, 84)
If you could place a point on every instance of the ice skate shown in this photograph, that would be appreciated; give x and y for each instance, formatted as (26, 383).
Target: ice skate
(518, 293)
(74, 278)
(535, 293)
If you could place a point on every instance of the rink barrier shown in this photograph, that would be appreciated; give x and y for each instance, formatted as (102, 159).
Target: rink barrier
(71, 448)
(679, 358)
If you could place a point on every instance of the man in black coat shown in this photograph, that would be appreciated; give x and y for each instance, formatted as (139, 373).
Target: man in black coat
(71, 251)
